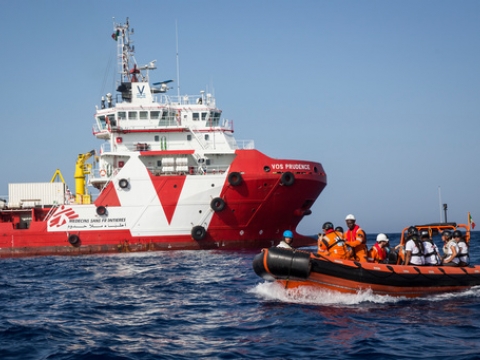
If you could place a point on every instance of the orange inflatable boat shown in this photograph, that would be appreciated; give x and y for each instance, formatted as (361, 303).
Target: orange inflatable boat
(293, 268)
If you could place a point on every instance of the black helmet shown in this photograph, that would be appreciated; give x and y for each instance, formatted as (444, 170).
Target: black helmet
(424, 233)
(447, 233)
(327, 226)
(412, 230)
(339, 229)
(457, 233)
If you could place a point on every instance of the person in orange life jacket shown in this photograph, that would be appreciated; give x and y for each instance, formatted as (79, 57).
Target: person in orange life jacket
(331, 243)
(356, 239)
(430, 250)
(378, 253)
(339, 231)
(414, 248)
(287, 240)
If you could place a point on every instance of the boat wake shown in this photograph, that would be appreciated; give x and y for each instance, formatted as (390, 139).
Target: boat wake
(314, 296)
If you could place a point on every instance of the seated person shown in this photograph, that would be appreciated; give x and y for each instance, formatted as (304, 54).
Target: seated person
(287, 240)
(378, 253)
(450, 250)
(329, 243)
(430, 250)
(413, 248)
(463, 248)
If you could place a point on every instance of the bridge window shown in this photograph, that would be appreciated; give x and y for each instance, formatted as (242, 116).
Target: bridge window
(132, 115)
(154, 115)
(121, 115)
(195, 116)
(143, 115)
(204, 116)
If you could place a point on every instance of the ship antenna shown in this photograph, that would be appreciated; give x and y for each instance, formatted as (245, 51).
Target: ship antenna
(178, 64)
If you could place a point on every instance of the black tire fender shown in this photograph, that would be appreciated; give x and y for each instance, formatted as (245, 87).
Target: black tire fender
(287, 179)
(198, 232)
(235, 178)
(73, 239)
(123, 183)
(217, 204)
(101, 210)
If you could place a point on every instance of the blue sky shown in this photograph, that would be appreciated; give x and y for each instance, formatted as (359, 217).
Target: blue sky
(385, 94)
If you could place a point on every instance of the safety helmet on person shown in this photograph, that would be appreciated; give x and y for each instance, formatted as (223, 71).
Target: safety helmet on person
(350, 217)
(382, 237)
(327, 226)
(339, 229)
(447, 233)
(424, 233)
(288, 234)
(457, 233)
(412, 230)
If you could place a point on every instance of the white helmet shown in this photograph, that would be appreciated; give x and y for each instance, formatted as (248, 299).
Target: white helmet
(350, 217)
(382, 237)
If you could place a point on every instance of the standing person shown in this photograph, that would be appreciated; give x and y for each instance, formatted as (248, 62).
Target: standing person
(378, 253)
(331, 243)
(414, 248)
(356, 239)
(463, 248)
(287, 240)
(430, 250)
(450, 250)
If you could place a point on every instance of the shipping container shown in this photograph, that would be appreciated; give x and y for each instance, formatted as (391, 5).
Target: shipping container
(36, 194)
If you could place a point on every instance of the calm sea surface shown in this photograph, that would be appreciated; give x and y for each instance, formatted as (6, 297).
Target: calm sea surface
(210, 304)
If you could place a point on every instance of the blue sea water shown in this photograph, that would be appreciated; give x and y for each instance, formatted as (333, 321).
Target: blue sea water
(211, 305)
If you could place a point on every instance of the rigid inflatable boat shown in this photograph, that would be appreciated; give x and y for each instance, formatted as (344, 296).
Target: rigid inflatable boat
(294, 268)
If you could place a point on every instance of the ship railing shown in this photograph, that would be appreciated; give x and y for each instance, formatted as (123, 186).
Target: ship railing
(246, 144)
(188, 170)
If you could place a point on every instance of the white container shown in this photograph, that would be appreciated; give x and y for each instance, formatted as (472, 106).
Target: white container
(36, 194)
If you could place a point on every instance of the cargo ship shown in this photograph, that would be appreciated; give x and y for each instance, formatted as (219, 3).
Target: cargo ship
(168, 175)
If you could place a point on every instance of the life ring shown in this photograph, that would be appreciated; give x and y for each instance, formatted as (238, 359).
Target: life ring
(287, 178)
(101, 210)
(123, 183)
(234, 178)
(198, 232)
(102, 173)
(217, 204)
(73, 239)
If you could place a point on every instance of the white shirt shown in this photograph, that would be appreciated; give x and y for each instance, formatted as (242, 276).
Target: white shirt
(448, 250)
(283, 244)
(463, 252)
(432, 249)
(417, 257)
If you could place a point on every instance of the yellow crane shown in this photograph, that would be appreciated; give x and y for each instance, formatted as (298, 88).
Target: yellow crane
(81, 170)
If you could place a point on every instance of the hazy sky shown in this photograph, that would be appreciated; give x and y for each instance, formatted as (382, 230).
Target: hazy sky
(385, 94)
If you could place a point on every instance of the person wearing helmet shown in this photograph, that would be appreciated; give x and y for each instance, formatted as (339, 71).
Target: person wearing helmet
(450, 250)
(414, 248)
(287, 240)
(331, 243)
(356, 239)
(463, 248)
(430, 250)
(378, 253)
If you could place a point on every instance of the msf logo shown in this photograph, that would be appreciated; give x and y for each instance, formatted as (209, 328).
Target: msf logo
(141, 92)
(62, 216)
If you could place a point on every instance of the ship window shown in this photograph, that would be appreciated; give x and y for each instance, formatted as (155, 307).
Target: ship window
(143, 115)
(121, 115)
(204, 116)
(159, 163)
(195, 116)
(189, 137)
(156, 138)
(103, 123)
(155, 115)
(132, 115)
(206, 137)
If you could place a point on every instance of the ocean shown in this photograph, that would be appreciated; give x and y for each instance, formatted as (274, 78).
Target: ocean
(211, 305)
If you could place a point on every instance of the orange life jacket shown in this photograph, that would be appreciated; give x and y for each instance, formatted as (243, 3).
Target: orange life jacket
(333, 245)
(358, 241)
